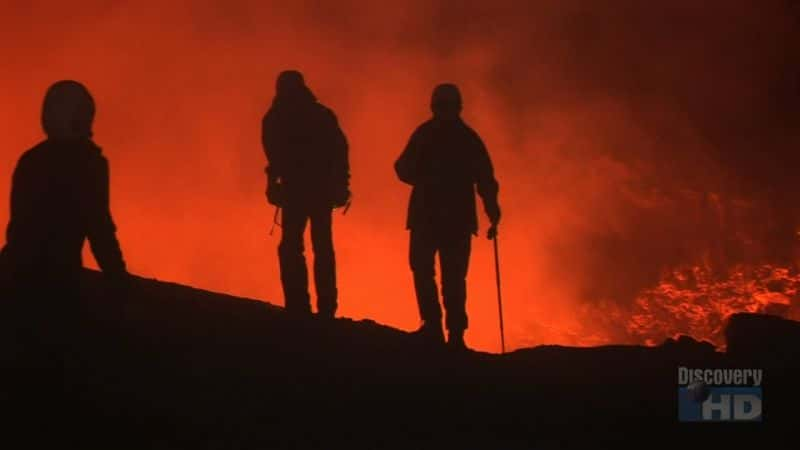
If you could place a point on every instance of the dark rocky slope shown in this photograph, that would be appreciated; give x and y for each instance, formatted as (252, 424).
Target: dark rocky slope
(168, 366)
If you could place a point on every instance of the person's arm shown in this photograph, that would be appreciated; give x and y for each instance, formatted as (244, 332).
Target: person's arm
(268, 144)
(487, 184)
(340, 167)
(17, 202)
(102, 230)
(407, 165)
(16, 210)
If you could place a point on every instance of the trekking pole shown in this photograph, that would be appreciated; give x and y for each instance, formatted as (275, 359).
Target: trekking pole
(275, 220)
(499, 296)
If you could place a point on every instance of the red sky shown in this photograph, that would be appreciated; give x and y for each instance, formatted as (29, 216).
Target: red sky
(605, 125)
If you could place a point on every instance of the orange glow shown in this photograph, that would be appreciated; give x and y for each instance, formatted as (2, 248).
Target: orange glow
(181, 88)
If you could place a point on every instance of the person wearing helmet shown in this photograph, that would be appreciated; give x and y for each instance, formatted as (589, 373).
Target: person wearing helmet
(60, 194)
(59, 199)
(445, 160)
(308, 175)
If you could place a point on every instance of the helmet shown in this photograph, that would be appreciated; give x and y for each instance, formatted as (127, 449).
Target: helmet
(291, 87)
(446, 100)
(68, 111)
(289, 80)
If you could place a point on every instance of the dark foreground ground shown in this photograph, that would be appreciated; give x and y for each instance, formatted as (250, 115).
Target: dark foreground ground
(172, 367)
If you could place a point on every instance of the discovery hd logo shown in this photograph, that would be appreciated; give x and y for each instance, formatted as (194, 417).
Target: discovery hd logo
(719, 395)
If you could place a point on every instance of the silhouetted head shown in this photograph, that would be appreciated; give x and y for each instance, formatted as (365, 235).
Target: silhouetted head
(446, 101)
(291, 86)
(68, 111)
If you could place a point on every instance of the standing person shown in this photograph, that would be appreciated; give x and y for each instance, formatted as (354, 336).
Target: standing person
(308, 175)
(59, 198)
(444, 161)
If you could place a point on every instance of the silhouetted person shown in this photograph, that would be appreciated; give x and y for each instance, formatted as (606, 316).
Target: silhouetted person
(59, 198)
(308, 174)
(444, 161)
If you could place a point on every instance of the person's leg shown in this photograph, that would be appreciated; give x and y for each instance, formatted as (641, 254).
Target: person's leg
(324, 261)
(454, 261)
(294, 274)
(422, 253)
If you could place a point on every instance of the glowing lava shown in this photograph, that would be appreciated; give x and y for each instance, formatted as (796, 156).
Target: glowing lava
(691, 300)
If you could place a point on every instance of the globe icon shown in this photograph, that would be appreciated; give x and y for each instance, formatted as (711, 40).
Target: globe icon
(698, 391)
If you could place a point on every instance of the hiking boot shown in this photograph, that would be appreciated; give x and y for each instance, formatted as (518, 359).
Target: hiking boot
(455, 340)
(326, 315)
(431, 332)
(326, 308)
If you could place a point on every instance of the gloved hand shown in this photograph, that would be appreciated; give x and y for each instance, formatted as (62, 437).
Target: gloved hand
(119, 286)
(5, 270)
(119, 282)
(275, 193)
(494, 217)
(492, 233)
(341, 197)
(5, 266)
